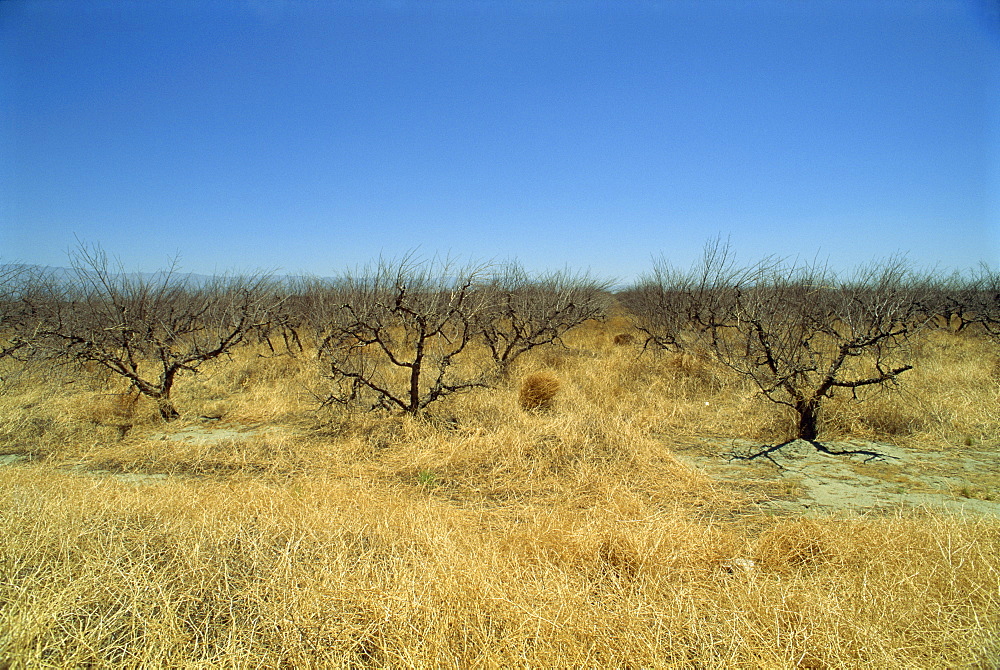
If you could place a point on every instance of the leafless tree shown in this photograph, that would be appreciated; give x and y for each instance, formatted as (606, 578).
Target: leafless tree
(394, 332)
(521, 312)
(802, 335)
(148, 329)
(948, 302)
(17, 282)
(797, 331)
(679, 308)
(962, 301)
(286, 318)
(985, 299)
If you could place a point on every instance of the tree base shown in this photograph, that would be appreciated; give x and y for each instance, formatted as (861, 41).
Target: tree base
(168, 412)
(767, 451)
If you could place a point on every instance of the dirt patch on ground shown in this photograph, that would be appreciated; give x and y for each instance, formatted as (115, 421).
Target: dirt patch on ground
(803, 480)
(138, 473)
(799, 479)
(212, 433)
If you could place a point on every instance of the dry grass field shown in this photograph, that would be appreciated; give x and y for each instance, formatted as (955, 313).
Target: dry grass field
(277, 534)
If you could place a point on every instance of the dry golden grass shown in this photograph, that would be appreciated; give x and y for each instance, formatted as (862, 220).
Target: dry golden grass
(482, 535)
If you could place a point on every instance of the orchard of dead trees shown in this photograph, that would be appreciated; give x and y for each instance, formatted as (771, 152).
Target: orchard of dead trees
(400, 335)
(392, 336)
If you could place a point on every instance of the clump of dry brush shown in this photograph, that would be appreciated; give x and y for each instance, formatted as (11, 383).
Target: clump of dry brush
(538, 391)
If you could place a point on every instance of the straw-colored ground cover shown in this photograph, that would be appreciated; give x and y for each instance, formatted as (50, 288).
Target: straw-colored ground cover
(485, 535)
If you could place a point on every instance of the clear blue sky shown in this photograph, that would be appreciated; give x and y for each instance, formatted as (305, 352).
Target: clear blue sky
(311, 136)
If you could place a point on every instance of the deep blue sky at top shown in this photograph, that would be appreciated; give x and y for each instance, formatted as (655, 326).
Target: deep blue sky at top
(311, 136)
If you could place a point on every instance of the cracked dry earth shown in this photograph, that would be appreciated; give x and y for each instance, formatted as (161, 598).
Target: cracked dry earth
(803, 480)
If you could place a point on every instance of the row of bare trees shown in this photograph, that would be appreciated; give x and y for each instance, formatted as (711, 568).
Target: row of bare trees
(963, 300)
(404, 334)
(398, 335)
(799, 331)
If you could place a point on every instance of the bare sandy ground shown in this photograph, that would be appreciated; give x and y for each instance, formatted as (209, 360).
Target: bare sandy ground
(804, 480)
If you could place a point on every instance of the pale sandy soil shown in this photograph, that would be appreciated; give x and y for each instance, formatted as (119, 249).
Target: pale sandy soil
(804, 480)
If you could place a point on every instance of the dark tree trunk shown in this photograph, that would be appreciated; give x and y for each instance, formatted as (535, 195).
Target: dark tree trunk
(167, 410)
(808, 415)
(414, 395)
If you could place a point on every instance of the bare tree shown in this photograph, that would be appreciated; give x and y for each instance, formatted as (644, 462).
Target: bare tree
(985, 299)
(148, 329)
(521, 312)
(949, 302)
(394, 332)
(801, 335)
(286, 318)
(679, 308)
(796, 331)
(17, 282)
(962, 301)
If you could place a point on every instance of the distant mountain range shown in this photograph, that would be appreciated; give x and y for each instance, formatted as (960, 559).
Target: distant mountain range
(64, 273)
(190, 278)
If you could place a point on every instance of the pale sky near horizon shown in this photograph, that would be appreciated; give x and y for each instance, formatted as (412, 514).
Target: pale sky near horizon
(313, 136)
